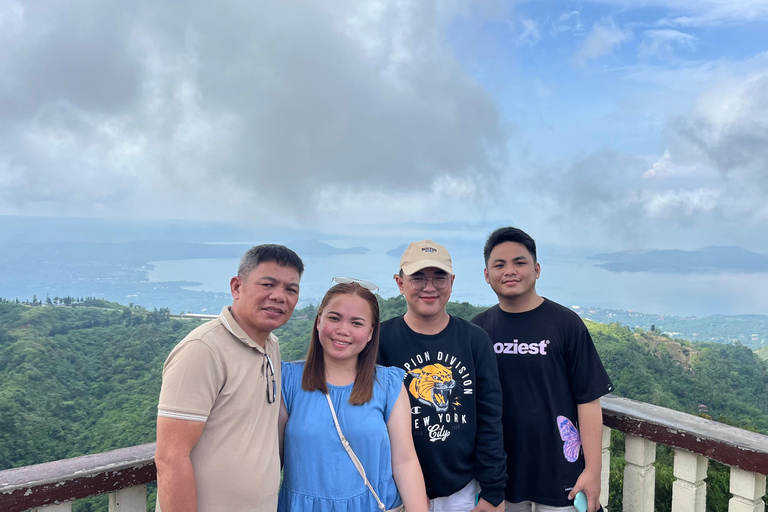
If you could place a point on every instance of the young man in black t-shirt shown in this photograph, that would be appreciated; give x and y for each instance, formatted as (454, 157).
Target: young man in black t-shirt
(552, 380)
(453, 384)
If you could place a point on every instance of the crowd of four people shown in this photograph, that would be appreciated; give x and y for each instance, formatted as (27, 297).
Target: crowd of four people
(425, 411)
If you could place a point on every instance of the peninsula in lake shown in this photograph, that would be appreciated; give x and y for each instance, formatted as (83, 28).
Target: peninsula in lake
(708, 259)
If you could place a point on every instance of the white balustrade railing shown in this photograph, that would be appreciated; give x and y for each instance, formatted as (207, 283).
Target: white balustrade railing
(50, 487)
(132, 499)
(123, 474)
(696, 440)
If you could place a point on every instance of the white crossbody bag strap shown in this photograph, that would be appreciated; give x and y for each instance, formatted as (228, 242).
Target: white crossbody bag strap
(351, 453)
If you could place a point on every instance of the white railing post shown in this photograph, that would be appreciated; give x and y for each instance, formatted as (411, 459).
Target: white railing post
(639, 474)
(59, 507)
(132, 499)
(605, 468)
(689, 490)
(747, 489)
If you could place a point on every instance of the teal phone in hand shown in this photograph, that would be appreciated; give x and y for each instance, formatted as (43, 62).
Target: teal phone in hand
(580, 502)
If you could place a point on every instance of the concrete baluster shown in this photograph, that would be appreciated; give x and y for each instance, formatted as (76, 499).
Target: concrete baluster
(59, 507)
(689, 490)
(747, 489)
(605, 470)
(639, 474)
(132, 499)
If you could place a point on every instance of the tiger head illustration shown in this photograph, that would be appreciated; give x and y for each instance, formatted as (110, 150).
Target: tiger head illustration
(432, 385)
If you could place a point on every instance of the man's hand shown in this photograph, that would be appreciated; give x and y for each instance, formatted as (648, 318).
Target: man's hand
(589, 482)
(484, 506)
(591, 432)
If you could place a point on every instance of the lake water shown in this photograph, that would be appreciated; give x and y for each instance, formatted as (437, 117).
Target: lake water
(570, 280)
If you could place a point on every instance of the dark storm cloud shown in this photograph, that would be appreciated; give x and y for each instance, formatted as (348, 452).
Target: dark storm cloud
(278, 99)
(79, 54)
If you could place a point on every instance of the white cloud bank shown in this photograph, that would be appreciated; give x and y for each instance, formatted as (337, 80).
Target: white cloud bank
(150, 109)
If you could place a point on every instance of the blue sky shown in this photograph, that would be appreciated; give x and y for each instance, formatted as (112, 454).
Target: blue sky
(617, 125)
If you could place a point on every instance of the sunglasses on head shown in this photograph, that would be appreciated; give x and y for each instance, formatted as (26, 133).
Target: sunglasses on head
(349, 280)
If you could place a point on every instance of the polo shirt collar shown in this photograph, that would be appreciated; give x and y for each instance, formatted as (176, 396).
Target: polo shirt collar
(230, 324)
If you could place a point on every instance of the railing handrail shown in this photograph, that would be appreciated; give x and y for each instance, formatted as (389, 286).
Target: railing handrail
(79, 477)
(724, 443)
(43, 484)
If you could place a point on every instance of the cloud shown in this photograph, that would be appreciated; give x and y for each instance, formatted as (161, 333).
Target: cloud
(245, 109)
(698, 13)
(602, 40)
(666, 167)
(569, 21)
(664, 43)
(606, 199)
(677, 204)
(727, 129)
(589, 200)
(717, 13)
(711, 183)
(530, 34)
(447, 198)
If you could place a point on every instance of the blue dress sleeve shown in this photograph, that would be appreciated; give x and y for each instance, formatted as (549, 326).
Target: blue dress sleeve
(393, 384)
(289, 373)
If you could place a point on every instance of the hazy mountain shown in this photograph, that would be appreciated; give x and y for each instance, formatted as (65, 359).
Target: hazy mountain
(708, 259)
(398, 251)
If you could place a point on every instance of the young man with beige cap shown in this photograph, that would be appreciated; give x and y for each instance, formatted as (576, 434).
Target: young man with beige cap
(453, 384)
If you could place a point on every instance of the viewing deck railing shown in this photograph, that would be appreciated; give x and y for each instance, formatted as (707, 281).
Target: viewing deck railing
(125, 473)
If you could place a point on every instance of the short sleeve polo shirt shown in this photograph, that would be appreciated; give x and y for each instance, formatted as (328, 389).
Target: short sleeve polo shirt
(218, 375)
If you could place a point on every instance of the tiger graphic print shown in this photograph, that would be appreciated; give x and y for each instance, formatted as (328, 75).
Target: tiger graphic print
(432, 385)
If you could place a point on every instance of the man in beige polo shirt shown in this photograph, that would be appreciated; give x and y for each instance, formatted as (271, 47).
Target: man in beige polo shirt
(217, 440)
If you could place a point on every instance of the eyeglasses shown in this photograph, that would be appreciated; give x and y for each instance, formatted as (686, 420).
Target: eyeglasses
(420, 282)
(271, 390)
(349, 280)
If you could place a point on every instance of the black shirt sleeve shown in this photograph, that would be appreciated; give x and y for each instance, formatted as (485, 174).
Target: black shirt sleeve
(588, 378)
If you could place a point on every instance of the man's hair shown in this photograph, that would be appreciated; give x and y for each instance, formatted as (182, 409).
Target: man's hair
(314, 379)
(508, 234)
(265, 253)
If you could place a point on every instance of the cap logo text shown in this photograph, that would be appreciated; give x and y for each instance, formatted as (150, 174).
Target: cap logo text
(429, 249)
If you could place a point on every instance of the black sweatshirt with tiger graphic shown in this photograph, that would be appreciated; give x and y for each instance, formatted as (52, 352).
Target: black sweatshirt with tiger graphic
(452, 381)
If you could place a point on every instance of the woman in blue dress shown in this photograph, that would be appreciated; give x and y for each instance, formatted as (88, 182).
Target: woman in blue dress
(372, 408)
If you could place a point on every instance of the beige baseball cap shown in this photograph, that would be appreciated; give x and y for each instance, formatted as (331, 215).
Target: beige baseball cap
(425, 254)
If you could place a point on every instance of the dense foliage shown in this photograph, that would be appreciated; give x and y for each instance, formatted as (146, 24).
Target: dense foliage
(762, 353)
(77, 380)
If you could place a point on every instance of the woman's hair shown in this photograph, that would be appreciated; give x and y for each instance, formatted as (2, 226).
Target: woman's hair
(314, 369)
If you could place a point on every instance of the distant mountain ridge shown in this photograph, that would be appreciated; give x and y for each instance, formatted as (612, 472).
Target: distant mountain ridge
(707, 259)
(120, 270)
(398, 251)
(748, 330)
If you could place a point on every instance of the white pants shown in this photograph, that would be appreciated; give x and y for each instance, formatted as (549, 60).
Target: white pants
(461, 501)
(529, 506)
